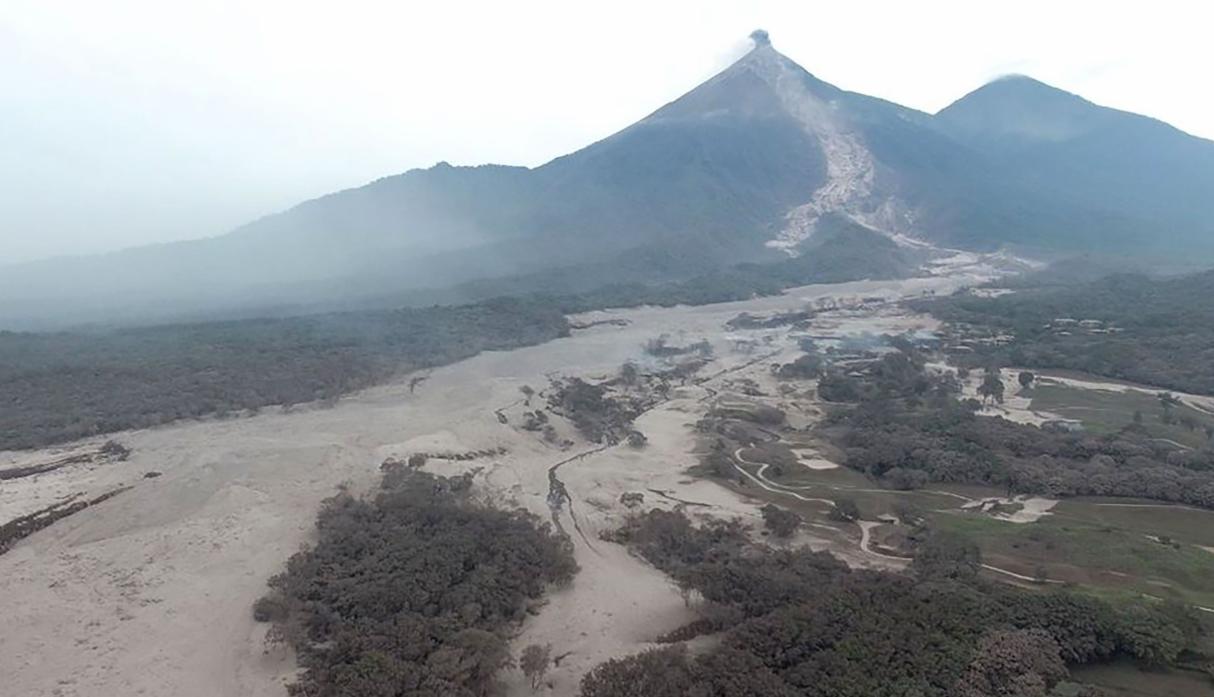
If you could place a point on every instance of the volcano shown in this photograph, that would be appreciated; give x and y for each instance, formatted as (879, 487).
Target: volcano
(760, 163)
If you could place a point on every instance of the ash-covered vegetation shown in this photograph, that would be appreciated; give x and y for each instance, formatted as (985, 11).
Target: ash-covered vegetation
(950, 443)
(1153, 331)
(840, 251)
(63, 386)
(57, 387)
(110, 451)
(796, 622)
(604, 411)
(902, 423)
(21, 527)
(597, 412)
(412, 592)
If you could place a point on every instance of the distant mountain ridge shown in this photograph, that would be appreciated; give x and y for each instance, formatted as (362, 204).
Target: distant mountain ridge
(740, 169)
(1094, 157)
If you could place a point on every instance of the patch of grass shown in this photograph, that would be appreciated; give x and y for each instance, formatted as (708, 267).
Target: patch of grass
(1105, 411)
(1089, 555)
(1187, 525)
(841, 477)
(1123, 679)
(873, 499)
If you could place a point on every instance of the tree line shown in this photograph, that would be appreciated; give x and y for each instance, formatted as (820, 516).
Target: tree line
(1162, 329)
(800, 623)
(63, 386)
(905, 425)
(58, 387)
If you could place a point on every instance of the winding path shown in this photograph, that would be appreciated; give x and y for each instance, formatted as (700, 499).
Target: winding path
(865, 526)
(759, 478)
(765, 483)
(558, 495)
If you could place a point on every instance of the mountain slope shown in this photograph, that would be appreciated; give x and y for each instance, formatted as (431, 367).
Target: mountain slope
(1119, 164)
(743, 168)
(700, 184)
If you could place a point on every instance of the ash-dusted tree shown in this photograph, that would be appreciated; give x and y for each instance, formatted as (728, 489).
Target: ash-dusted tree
(1013, 663)
(1167, 405)
(780, 521)
(534, 662)
(114, 450)
(471, 658)
(629, 373)
(845, 510)
(654, 673)
(944, 554)
(992, 386)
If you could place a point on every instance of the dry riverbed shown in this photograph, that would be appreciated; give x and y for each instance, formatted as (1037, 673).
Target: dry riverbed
(149, 592)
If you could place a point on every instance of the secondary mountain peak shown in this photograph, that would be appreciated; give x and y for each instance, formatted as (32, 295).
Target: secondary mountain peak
(1020, 106)
(1133, 175)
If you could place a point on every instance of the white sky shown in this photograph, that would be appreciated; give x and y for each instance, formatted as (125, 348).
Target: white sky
(124, 122)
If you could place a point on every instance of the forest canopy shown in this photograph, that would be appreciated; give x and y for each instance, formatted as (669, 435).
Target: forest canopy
(411, 593)
(902, 423)
(57, 387)
(1153, 331)
(63, 386)
(796, 622)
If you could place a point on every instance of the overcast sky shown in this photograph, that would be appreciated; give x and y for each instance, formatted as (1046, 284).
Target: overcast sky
(126, 122)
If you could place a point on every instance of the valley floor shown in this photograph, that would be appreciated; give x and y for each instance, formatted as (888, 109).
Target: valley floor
(150, 592)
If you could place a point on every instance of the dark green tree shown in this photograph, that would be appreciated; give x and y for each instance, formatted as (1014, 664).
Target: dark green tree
(1025, 378)
(780, 521)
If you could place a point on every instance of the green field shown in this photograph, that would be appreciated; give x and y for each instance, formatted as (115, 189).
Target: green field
(1118, 549)
(1126, 680)
(1192, 526)
(1106, 411)
(1104, 545)
(875, 501)
(1111, 559)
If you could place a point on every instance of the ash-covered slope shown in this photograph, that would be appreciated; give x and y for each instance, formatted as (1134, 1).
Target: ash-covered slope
(702, 183)
(741, 169)
(698, 189)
